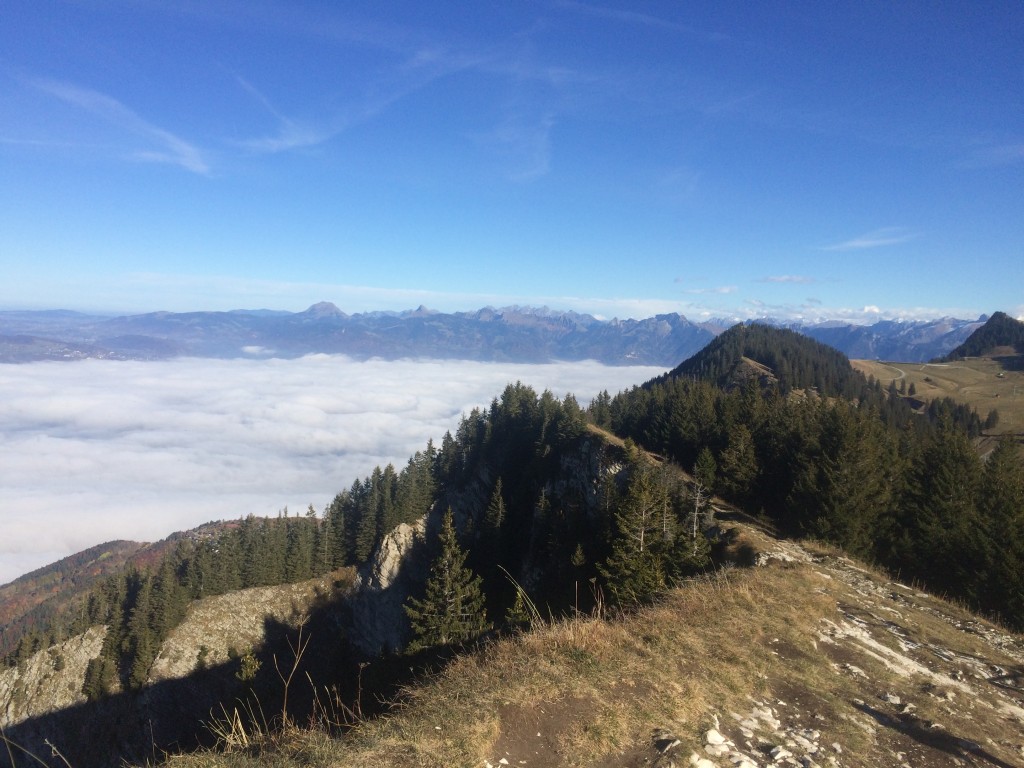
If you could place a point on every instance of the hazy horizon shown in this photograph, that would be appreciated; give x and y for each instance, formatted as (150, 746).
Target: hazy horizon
(864, 316)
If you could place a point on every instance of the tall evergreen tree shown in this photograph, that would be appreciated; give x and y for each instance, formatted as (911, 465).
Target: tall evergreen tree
(738, 464)
(845, 483)
(636, 569)
(942, 537)
(452, 609)
(1001, 504)
(494, 521)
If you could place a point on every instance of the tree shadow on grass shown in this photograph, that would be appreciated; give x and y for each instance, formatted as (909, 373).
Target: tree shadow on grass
(937, 738)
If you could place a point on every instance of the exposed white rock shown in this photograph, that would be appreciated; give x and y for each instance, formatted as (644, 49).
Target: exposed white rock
(780, 753)
(714, 737)
(378, 616)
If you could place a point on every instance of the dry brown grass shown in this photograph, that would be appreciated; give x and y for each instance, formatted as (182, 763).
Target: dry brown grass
(602, 685)
(975, 381)
(591, 690)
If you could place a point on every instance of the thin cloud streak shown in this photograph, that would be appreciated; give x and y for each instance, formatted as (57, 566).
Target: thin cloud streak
(291, 135)
(643, 19)
(173, 150)
(879, 238)
(798, 279)
(721, 290)
(995, 157)
(100, 450)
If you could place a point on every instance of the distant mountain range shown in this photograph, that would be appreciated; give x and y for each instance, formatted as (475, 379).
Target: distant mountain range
(510, 334)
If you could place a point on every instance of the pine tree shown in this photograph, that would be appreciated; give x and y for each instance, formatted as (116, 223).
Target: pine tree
(694, 553)
(738, 464)
(636, 569)
(845, 483)
(518, 615)
(452, 609)
(943, 539)
(1001, 503)
(323, 545)
(494, 521)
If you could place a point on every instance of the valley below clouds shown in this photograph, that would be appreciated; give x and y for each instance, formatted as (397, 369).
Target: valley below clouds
(97, 450)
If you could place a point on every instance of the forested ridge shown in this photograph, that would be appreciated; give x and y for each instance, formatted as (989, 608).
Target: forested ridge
(842, 459)
(1000, 330)
(542, 503)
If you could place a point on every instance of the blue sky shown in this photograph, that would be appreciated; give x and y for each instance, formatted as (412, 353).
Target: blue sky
(805, 159)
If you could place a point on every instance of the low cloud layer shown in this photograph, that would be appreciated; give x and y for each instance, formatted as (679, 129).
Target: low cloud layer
(98, 450)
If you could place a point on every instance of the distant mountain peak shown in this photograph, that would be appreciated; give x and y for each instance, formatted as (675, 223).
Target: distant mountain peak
(421, 311)
(324, 309)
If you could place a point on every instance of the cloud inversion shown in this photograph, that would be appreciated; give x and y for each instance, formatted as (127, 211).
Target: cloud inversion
(99, 450)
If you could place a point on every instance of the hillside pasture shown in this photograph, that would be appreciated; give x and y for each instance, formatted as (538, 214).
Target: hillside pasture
(983, 383)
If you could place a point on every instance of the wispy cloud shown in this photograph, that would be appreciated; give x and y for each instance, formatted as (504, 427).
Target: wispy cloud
(720, 290)
(995, 156)
(290, 134)
(421, 63)
(524, 143)
(166, 146)
(798, 279)
(102, 450)
(878, 238)
(642, 19)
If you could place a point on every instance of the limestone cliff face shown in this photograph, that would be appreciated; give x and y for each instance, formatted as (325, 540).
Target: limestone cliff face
(49, 680)
(378, 622)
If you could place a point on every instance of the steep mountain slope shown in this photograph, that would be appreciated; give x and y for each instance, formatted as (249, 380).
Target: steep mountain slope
(75, 571)
(31, 604)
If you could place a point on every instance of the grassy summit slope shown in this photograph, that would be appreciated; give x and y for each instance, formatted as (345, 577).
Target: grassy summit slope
(810, 655)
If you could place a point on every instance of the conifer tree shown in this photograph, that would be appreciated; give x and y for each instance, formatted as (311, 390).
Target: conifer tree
(738, 464)
(942, 537)
(845, 484)
(636, 569)
(494, 521)
(452, 609)
(518, 615)
(1001, 503)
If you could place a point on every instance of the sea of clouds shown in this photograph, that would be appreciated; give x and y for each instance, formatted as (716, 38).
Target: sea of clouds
(97, 450)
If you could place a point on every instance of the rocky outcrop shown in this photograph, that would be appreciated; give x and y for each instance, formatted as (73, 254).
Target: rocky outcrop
(218, 628)
(378, 622)
(48, 680)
